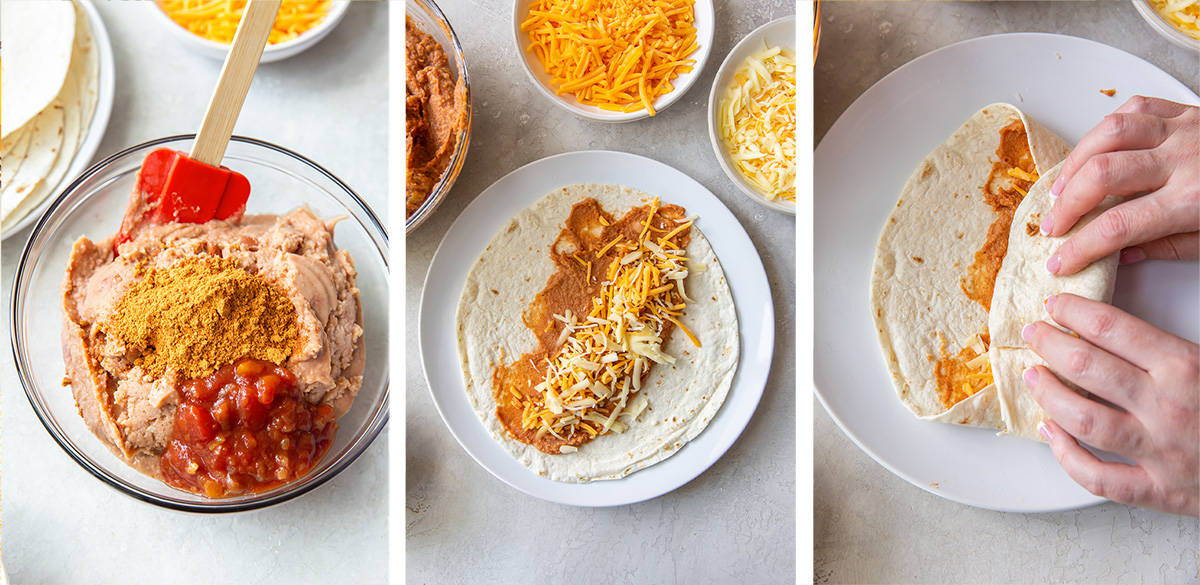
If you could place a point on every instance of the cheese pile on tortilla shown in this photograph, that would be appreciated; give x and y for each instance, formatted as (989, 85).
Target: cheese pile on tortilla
(960, 269)
(50, 70)
(689, 375)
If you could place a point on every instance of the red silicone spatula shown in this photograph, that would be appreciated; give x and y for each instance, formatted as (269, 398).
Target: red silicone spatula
(194, 188)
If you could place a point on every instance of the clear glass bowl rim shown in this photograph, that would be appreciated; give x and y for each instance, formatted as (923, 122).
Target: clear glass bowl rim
(374, 426)
(459, 157)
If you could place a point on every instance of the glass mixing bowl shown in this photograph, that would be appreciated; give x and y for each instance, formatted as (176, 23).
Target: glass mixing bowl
(92, 206)
(426, 15)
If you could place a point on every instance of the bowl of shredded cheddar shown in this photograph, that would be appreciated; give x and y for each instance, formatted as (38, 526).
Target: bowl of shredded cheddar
(613, 60)
(208, 26)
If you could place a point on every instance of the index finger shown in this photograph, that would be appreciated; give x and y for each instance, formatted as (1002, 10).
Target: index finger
(1123, 174)
(1117, 131)
(1113, 330)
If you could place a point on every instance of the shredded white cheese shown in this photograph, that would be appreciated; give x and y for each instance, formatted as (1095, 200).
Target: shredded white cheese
(592, 379)
(757, 122)
(1181, 14)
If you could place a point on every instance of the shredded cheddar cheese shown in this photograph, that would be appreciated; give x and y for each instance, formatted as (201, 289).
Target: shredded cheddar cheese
(757, 120)
(592, 380)
(980, 367)
(217, 20)
(1181, 14)
(1019, 173)
(617, 55)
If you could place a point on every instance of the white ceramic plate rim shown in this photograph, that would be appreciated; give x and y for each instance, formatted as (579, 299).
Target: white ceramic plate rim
(474, 229)
(106, 73)
(271, 53)
(726, 71)
(900, 90)
(705, 29)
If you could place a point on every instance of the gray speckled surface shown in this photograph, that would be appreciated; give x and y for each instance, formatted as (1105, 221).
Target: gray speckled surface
(734, 523)
(60, 524)
(871, 526)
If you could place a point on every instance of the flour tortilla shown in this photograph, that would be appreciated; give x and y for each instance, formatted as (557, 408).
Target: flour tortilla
(52, 138)
(1022, 286)
(941, 219)
(38, 42)
(683, 397)
(12, 156)
(45, 142)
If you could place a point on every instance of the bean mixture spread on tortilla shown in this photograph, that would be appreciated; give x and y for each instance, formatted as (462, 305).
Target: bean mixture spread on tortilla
(601, 322)
(435, 114)
(1012, 174)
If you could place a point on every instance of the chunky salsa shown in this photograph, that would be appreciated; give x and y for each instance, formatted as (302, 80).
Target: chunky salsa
(244, 428)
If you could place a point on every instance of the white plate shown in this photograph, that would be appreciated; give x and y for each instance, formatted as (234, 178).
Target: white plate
(860, 167)
(471, 233)
(705, 23)
(91, 141)
(778, 32)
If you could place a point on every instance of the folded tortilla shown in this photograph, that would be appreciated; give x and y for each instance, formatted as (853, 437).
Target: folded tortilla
(1022, 287)
(683, 397)
(929, 298)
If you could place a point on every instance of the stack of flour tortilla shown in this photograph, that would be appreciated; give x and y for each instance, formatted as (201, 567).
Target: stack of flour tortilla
(926, 284)
(50, 68)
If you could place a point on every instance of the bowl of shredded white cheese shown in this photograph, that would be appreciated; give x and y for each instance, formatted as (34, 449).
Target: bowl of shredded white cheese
(1176, 20)
(752, 115)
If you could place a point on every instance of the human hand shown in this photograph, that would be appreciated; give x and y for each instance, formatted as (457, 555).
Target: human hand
(1153, 375)
(1148, 147)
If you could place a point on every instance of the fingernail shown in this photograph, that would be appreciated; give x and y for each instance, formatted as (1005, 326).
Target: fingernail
(1027, 333)
(1057, 187)
(1030, 376)
(1053, 264)
(1131, 255)
(1045, 431)
(1050, 302)
(1047, 224)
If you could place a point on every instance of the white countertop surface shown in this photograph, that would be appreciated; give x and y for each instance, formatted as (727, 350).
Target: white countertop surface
(60, 524)
(871, 526)
(732, 524)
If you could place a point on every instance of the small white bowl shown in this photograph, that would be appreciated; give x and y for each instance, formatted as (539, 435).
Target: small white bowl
(705, 26)
(778, 32)
(272, 53)
(1164, 28)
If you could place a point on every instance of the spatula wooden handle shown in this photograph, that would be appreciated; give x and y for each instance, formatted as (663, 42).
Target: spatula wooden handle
(234, 83)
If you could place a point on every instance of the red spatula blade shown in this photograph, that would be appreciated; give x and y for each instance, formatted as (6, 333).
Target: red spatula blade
(155, 168)
(192, 192)
(233, 200)
(174, 188)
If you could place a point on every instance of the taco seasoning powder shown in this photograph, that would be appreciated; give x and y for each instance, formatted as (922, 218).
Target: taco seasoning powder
(200, 314)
